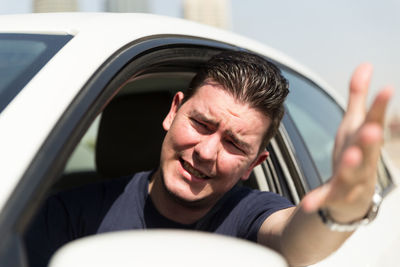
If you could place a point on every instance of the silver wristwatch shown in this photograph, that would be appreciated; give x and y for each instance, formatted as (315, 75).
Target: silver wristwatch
(349, 227)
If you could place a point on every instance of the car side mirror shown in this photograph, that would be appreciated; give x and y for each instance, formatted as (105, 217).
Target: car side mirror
(164, 248)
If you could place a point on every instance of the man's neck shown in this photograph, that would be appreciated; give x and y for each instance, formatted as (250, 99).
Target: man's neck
(170, 207)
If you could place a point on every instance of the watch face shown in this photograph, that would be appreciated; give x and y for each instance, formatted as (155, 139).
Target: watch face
(376, 202)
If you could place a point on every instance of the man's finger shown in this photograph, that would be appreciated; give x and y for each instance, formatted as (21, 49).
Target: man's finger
(368, 143)
(371, 141)
(376, 113)
(359, 89)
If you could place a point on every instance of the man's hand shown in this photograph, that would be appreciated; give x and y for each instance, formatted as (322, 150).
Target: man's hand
(348, 194)
(299, 234)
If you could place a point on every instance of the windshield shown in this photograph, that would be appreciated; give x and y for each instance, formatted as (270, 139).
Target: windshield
(21, 57)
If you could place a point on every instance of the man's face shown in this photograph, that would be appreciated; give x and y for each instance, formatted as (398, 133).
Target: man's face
(212, 142)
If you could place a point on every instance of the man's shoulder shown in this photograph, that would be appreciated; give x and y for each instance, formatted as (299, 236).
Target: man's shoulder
(99, 195)
(244, 200)
(244, 193)
(100, 189)
(242, 211)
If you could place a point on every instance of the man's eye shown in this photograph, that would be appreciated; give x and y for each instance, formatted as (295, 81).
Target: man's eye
(234, 145)
(198, 123)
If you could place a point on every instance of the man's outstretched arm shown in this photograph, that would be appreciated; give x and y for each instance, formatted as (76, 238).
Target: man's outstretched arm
(299, 233)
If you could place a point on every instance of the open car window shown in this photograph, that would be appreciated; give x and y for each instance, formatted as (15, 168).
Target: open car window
(115, 115)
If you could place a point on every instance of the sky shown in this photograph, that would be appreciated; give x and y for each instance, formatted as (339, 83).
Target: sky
(329, 37)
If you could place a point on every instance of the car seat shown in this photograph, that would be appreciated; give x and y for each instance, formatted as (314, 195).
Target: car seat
(128, 141)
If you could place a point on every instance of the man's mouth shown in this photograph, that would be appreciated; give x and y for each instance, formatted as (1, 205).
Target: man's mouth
(192, 170)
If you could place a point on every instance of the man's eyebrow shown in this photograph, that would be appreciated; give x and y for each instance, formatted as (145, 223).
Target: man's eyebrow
(242, 144)
(204, 118)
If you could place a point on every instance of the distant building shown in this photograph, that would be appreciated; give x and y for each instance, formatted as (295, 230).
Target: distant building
(127, 6)
(44, 6)
(212, 12)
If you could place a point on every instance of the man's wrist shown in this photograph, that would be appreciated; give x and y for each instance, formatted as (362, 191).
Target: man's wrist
(333, 225)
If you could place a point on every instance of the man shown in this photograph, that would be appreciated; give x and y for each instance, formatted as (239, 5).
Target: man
(216, 134)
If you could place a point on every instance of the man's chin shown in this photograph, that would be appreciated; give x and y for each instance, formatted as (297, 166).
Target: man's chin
(188, 199)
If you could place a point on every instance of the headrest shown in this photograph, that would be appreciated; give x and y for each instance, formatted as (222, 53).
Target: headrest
(130, 133)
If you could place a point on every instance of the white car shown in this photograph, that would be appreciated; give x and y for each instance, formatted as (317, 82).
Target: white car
(70, 84)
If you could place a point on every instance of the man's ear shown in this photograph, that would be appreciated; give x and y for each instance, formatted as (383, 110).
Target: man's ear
(260, 158)
(176, 103)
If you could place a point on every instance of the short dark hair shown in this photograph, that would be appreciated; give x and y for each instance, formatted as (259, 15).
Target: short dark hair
(250, 79)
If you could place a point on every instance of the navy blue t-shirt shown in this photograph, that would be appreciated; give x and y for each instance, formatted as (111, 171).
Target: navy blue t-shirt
(124, 204)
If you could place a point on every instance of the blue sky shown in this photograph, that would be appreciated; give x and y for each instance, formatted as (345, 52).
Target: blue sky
(329, 37)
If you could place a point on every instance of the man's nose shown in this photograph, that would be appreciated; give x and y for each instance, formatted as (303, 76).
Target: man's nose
(207, 148)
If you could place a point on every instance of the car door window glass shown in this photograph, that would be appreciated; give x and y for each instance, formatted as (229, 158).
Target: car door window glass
(317, 117)
(21, 57)
(16, 56)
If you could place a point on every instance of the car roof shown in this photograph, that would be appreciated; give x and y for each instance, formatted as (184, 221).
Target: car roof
(137, 25)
